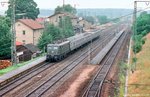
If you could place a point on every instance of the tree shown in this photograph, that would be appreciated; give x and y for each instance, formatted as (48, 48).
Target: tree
(141, 27)
(50, 34)
(143, 23)
(66, 27)
(90, 19)
(53, 33)
(102, 19)
(66, 8)
(5, 38)
(26, 7)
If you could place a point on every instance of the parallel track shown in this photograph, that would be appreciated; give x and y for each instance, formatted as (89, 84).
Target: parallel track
(58, 76)
(94, 89)
(43, 87)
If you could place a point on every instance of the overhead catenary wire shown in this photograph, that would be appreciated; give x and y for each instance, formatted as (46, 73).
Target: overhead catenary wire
(129, 14)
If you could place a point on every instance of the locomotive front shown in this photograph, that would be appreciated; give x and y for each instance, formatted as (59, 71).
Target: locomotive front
(52, 52)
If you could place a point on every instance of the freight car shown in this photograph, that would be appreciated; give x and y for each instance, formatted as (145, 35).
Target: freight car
(59, 51)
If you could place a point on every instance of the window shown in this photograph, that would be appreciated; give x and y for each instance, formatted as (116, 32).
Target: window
(24, 42)
(24, 32)
(59, 16)
(83, 25)
(18, 24)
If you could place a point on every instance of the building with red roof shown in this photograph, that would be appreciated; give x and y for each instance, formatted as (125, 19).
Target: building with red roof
(28, 31)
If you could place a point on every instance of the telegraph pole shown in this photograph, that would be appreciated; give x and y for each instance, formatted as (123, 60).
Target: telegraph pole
(13, 32)
(134, 29)
(13, 41)
(63, 3)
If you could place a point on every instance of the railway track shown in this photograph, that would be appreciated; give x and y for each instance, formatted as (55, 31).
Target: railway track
(43, 87)
(11, 85)
(5, 89)
(94, 88)
(58, 76)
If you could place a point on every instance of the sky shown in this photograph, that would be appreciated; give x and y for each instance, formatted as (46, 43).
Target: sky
(51, 4)
(86, 3)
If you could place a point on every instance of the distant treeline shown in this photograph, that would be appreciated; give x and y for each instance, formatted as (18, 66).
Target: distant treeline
(110, 13)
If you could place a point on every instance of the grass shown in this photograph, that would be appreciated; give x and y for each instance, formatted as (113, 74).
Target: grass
(139, 81)
(122, 76)
(6, 70)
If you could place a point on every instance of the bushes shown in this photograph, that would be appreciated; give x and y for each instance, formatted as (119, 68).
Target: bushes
(142, 28)
(139, 41)
(137, 47)
(144, 33)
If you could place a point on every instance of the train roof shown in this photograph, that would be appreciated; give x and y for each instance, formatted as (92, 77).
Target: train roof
(58, 44)
(78, 36)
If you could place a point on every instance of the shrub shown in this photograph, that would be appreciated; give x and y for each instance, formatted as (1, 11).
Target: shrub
(144, 33)
(137, 47)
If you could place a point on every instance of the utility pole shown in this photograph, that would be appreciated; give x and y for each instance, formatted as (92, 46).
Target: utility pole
(134, 30)
(63, 3)
(13, 41)
(13, 34)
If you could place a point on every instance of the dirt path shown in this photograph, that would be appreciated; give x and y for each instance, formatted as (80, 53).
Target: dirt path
(74, 85)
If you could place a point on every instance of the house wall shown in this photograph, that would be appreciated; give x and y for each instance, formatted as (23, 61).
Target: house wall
(31, 36)
(28, 37)
(37, 35)
(85, 24)
(55, 19)
(74, 22)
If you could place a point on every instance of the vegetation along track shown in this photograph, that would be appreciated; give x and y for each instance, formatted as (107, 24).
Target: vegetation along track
(29, 75)
(94, 89)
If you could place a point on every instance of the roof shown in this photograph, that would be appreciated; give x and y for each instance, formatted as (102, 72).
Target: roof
(31, 23)
(32, 48)
(39, 20)
(59, 44)
(18, 43)
(64, 14)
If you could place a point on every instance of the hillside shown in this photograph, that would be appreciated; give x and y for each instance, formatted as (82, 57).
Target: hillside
(139, 81)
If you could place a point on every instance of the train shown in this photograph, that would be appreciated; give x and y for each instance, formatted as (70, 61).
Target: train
(58, 51)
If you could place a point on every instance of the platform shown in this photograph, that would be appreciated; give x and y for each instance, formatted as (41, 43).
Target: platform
(99, 57)
(21, 69)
